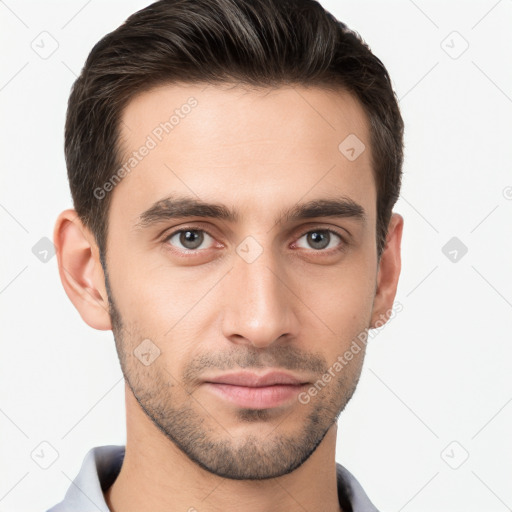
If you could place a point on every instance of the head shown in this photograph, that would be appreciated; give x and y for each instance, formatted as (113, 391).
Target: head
(233, 166)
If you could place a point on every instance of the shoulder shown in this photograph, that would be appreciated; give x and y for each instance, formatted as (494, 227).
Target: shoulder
(99, 469)
(351, 491)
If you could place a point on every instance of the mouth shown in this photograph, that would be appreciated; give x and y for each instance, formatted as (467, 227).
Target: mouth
(254, 391)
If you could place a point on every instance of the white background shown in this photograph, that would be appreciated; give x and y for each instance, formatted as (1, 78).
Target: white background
(437, 373)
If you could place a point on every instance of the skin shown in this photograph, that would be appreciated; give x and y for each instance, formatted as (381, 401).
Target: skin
(295, 307)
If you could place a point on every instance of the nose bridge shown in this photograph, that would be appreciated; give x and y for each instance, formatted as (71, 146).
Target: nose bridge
(258, 306)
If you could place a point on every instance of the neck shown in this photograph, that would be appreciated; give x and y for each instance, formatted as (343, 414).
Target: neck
(157, 477)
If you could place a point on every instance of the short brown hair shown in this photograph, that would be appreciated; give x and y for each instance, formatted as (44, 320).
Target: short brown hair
(262, 43)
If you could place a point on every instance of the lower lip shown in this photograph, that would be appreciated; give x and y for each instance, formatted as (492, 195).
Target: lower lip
(256, 398)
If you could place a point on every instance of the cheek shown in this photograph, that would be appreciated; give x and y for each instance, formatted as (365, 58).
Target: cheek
(168, 305)
(343, 294)
(344, 304)
(145, 287)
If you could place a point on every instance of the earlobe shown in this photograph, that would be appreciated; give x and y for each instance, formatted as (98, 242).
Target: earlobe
(388, 273)
(80, 270)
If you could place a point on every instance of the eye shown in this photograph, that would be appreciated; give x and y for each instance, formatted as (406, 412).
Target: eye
(320, 239)
(190, 239)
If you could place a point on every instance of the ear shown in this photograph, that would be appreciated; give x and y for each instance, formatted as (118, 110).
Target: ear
(389, 271)
(80, 270)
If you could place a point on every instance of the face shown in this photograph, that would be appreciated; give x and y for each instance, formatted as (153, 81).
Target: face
(225, 315)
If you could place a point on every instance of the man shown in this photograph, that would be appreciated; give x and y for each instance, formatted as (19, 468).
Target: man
(233, 166)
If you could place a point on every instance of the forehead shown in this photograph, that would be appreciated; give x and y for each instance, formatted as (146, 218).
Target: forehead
(256, 150)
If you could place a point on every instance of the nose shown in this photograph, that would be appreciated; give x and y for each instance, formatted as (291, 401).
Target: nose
(258, 308)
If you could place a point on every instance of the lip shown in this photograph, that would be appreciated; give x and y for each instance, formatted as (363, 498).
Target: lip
(254, 391)
(254, 380)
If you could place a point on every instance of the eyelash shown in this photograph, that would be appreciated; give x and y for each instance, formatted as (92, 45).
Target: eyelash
(334, 250)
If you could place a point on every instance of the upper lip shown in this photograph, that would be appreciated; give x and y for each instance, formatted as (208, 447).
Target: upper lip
(255, 380)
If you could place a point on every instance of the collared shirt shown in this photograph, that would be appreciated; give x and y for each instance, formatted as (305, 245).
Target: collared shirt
(102, 464)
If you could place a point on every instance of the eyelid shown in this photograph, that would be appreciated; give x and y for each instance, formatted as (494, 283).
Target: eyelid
(310, 229)
(330, 229)
(342, 246)
(167, 236)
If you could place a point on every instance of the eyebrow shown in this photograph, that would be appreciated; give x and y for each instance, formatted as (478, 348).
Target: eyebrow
(177, 207)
